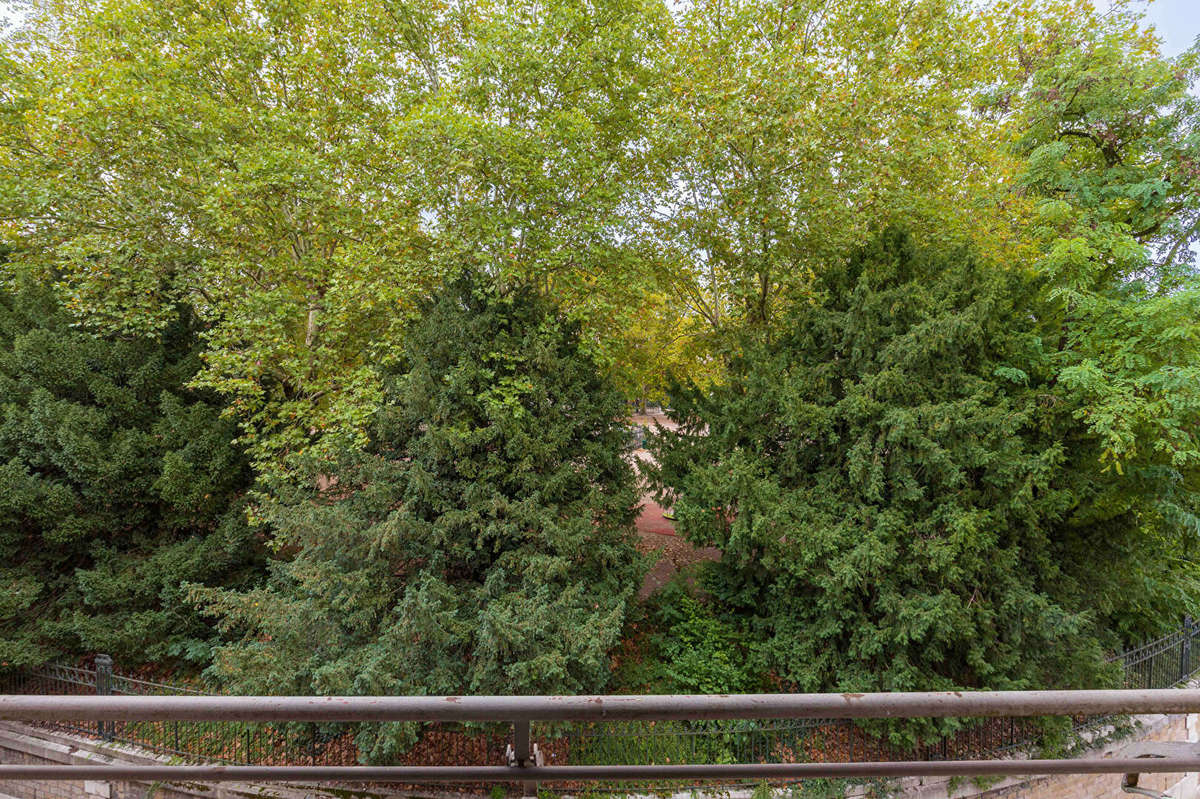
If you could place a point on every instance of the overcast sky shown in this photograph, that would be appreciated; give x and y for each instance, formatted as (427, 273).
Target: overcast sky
(1177, 21)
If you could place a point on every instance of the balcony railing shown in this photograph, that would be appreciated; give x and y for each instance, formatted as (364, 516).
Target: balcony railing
(523, 763)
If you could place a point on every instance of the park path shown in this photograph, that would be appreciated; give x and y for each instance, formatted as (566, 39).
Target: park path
(656, 534)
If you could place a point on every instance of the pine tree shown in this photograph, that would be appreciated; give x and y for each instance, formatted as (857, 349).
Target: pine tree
(907, 498)
(481, 543)
(117, 484)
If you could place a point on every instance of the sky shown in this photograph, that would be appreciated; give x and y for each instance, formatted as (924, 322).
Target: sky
(1177, 22)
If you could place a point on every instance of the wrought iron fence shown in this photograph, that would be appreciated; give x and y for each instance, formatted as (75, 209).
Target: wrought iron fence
(524, 764)
(1162, 663)
(231, 742)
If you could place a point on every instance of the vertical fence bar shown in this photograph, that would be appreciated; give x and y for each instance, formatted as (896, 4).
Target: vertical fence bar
(104, 666)
(1185, 651)
(1192, 632)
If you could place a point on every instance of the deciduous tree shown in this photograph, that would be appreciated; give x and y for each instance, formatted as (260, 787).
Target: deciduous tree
(299, 172)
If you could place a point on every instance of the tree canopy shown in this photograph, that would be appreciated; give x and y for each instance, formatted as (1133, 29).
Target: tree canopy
(907, 495)
(119, 484)
(299, 173)
(483, 541)
(245, 223)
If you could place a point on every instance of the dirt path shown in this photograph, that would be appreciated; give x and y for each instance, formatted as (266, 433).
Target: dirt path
(657, 534)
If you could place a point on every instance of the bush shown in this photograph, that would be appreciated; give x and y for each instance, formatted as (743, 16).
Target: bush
(690, 649)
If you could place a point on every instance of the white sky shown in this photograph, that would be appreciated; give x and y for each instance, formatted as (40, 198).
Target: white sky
(11, 11)
(1177, 22)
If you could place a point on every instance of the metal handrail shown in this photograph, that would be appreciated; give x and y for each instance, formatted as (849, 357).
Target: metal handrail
(924, 704)
(550, 774)
(523, 763)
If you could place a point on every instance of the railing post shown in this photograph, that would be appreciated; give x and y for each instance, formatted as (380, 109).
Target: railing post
(1185, 652)
(521, 754)
(104, 665)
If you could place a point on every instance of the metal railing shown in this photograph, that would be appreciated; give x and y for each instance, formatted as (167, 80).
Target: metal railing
(1164, 662)
(236, 742)
(831, 740)
(525, 765)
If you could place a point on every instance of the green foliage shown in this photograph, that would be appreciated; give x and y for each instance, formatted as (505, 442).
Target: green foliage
(909, 495)
(665, 742)
(699, 652)
(1106, 132)
(301, 172)
(1018, 442)
(785, 131)
(688, 647)
(1108, 137)
(118, 485)
(481, 543)
(839, 789)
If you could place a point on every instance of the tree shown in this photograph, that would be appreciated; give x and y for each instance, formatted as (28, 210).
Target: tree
(1105, 128)
(119, 484)
(786, 131)
(299, 173)
(481, 543)
(908, 496)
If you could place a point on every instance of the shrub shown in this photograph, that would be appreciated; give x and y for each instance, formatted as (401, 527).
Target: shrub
(908, 497)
